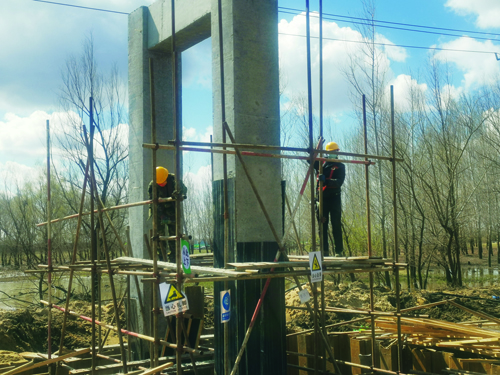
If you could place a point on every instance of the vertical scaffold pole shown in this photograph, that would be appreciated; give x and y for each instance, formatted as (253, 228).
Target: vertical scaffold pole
(178, 172)
(49, 248)
(93, 245)
(369, 231)
(227, 367)
(311, 151)
(320, 213)
(73, 258)
(395, 226)
(155, 348)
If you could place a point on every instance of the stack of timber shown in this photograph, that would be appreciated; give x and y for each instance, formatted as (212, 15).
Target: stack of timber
(430, 346)
(442, 334)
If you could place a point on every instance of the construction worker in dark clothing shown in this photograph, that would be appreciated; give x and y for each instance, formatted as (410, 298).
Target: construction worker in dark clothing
(166, 187)
(333, 177)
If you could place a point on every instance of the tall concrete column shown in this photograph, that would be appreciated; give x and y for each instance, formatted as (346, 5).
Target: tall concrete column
(140, 159)
(251, 78)
(252, 112)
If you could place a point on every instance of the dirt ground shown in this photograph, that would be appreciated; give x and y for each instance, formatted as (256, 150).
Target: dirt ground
(357, 295)
(26, 330)
(10, 358)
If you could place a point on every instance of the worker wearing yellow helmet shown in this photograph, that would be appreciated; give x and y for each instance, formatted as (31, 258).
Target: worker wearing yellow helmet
(166, 188)
(332, 178)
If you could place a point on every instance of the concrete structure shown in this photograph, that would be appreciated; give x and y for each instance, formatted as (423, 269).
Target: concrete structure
(250, 34)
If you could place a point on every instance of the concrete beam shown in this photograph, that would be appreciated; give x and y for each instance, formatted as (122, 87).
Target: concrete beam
(192, 24)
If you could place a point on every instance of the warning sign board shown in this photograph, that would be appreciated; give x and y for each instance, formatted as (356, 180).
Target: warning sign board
(315, 264)
(172, 299)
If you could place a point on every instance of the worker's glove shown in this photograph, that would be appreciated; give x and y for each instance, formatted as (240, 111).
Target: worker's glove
(321, 178)
(175, 194)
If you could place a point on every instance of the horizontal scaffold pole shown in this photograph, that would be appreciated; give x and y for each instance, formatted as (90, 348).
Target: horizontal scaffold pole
(129, 333)
(105, 209)
(259, 154)
(266, 147)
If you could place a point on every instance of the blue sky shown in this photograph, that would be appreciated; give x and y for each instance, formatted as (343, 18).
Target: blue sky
(37, 38)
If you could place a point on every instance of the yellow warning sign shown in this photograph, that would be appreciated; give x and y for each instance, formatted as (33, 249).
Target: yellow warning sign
(173, 295)
(315, 265)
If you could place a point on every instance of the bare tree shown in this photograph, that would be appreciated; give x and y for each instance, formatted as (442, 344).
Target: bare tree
(81, 79)
(366, 72)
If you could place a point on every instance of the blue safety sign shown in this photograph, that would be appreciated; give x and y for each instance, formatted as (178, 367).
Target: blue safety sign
(225, 308)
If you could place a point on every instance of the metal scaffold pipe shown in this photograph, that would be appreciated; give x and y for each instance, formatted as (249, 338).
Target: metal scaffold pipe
(178, 172)
(93, 245)
(49, 248)
(153, 347)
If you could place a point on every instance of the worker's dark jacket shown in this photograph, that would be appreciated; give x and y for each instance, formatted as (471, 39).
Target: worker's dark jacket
(334, 173)
(166, 211)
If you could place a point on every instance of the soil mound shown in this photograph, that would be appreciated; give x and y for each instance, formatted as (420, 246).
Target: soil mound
(26, 330)
(10, 358)
(356, 295)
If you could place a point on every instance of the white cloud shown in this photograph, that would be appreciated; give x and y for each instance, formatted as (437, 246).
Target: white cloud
(23, 138)
(404, 87)
(486, 11)
(450, 92)
(37, 38)
(477, 69)
(293, 63)
(197, 65)
(191, 134)
(199, 180)
(392, 51)
(14, 175)
(336, 56)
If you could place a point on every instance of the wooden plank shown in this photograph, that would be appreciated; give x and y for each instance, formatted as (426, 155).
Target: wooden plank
(305, 264)
(358, 347)
(301, 257)
(439, 362)
(261, 265)
(473, 312)
(302, 347)
(291, 346)
(47, 362)
(467, 342)
(441, 326)
(172, 266)
(422, 360)
(387, 358)
(158, 369)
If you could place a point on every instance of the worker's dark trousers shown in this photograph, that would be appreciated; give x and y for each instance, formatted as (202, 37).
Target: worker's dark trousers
(332, 211)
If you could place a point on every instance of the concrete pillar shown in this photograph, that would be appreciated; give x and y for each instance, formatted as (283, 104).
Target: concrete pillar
(251, 75)
(140, 159)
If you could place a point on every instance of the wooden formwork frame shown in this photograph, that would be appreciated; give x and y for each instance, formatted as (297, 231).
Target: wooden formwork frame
(164, 272)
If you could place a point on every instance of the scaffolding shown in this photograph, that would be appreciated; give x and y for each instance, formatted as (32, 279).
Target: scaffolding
(155, 271)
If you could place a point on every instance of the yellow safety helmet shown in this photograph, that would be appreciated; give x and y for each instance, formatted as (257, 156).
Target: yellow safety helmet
(161, 175)
(332, 146)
